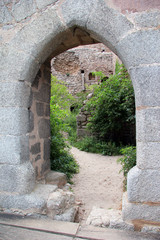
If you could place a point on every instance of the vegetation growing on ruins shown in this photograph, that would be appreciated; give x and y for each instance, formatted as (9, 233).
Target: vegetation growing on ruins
(112, 108)
(61, 159)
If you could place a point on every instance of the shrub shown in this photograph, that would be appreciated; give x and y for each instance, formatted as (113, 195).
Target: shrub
(112, 108)
(128, 160)
(91, 144)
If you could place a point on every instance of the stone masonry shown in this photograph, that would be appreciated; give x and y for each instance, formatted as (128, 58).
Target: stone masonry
(34, 32)
(75, 66)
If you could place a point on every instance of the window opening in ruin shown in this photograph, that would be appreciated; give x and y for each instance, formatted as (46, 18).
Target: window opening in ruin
(91, 76)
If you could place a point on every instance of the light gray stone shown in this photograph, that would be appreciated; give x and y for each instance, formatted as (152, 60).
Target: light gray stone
(146, 81)
(143, 185)
(147, 19)
(137, 48)
(115, 25)
(17, 65)
(15, 94)
(34, 202)
(67, 216)
(23, 9)
(75, 13)
(147, 124)
(139, 211)
(5, 15)
(42, 36)
(151, 229)
(44, 3)
(56, 178)
(14, 121)
(14, 149)
(44, 128)
(148, 156)
(17, 178)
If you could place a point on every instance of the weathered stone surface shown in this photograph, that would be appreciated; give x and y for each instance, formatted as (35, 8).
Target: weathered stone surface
(5, 15)
(23, 9)
(35, 201)
(31, 121)
(140, 49)
(46, 149)
(148, 156)
(67, 216)
(148, 127)
(17, 178)
(47, 110)
(44, 128)
(143, 185)
(139, 211)
(39, 36)
(60, 205)
(44, 3)
(40, 109)
(14, 149)
(43, 94)
(146, 80)
(147, 19)
(114, 25)
(56, 178)
(35, 148)
(14, 121)
(108, 218)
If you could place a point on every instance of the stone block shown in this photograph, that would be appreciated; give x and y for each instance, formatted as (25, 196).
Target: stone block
(137, 48)
(35, 148)
(139, 211)
(147, 19)
(143, 185)
(15, 94)
(43, 94)
(40, 109)
(56, 178)
(47, 110)
(17, 65)
(45, 168)
(31, 121)
(146, 81)
(44, 128)
(44, 3)
(23, 9)
(81, 118)
(14, 121)
(76, 12)
(46, 152)
(14, 149)
(39, 35)
(115, 25)
(147, 124)
(35, 201)
(17, 178)
(148, 156)
(5, 14)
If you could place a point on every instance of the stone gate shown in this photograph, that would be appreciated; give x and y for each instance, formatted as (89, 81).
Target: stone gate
(35, 31)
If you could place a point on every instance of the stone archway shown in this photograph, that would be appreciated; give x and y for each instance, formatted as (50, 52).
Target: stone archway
(57, 28)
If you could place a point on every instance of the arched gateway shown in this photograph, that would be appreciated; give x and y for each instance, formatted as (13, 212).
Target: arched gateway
(40, 32)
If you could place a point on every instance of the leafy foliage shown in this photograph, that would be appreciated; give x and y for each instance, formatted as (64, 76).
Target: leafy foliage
(92, 144)
(112, 107)
(61, 159)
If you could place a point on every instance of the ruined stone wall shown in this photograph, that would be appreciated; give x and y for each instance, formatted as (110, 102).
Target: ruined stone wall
(75, 66)
(39, 136)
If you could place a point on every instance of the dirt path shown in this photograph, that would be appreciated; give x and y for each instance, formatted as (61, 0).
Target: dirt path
(98, 183)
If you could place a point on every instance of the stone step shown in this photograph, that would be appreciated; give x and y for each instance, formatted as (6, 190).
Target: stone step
(51, 229)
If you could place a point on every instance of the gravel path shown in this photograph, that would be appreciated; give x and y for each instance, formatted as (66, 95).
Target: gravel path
(98, 183)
